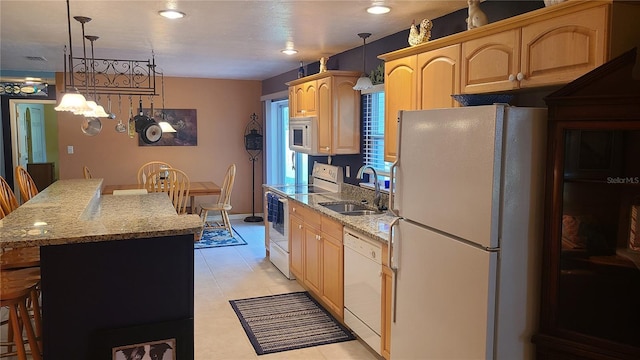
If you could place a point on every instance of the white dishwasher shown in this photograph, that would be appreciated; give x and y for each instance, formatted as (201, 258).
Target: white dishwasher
(363, 287)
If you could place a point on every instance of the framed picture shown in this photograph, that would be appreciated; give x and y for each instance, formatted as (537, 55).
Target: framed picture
(592, 154)
(171, 340)
(184, 121)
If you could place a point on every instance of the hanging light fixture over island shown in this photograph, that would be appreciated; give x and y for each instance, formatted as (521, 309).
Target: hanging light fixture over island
(363, 82)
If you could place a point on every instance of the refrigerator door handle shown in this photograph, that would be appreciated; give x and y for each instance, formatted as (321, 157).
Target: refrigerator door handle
(395, 164)
(391, 188)
(393, 265)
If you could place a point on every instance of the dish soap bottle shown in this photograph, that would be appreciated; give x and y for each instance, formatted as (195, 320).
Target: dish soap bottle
(300, 71)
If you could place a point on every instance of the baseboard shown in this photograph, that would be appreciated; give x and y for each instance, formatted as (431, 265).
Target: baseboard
(242, 216)
(231, 216)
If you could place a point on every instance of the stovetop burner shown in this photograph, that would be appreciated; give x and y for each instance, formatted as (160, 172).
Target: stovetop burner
(299, 189)
(326, 179)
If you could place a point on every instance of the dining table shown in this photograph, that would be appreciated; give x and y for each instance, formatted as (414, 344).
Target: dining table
(197, 188)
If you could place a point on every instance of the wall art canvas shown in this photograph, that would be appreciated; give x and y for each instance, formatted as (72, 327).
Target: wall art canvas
(183, 120)
(160, 350)
(171, 340)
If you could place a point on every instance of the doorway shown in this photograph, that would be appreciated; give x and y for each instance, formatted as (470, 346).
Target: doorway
(34, 133)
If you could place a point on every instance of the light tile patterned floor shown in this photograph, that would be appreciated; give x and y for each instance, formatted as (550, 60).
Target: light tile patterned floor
(237, 272)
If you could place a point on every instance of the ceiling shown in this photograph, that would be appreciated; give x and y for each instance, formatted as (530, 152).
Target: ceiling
(238, 39)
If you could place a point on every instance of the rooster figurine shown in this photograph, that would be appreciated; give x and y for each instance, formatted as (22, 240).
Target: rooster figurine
(418, 37)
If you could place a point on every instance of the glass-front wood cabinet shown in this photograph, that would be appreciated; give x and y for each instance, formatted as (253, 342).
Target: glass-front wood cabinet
(590, 305)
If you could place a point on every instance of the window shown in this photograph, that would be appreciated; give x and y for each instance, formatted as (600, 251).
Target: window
(373, 130)
(283, 165)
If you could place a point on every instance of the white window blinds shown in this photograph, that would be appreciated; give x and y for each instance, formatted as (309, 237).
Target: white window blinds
(373, 131)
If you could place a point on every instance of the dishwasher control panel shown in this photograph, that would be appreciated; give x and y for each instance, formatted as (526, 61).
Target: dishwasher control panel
(363, 245)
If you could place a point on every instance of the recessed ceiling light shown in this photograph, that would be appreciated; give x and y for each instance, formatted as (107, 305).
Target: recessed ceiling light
(171, 14)
(378, 9)
(289, 51)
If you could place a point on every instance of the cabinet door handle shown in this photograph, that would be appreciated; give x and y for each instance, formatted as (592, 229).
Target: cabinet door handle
(299, 226)
(326, 148)
(512, 78)
(293, 160)
(520, 76)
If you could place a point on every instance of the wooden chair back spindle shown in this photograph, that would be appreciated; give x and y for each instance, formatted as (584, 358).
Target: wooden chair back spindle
(175, 183)
(26, 184)
(145, 170)
(8, 200)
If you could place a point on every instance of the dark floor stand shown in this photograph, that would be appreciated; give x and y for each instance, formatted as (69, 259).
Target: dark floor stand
(253, 145)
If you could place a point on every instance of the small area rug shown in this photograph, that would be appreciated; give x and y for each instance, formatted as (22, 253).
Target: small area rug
(287, 321)
(218, 238)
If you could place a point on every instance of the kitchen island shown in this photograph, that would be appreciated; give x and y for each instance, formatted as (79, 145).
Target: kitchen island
(116, 270)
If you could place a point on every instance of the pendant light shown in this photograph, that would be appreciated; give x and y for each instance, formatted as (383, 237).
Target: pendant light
(164, 124)
(96, 109)
(72, 100)
(363, 82)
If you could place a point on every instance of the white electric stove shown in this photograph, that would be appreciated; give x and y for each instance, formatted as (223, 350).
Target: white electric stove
(326, 179)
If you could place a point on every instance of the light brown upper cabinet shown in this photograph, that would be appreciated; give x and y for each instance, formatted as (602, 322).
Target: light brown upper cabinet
(330, 97)
(439, 77)
(545, 47)
(304, 102)
(422, 81)
(399, 94)
(548, 52)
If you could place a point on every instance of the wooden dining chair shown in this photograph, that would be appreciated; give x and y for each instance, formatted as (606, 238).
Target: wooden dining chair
(26, 184)
(145, 170)
(8, 201)
(223, 205)
(86, 172)
(174, 182)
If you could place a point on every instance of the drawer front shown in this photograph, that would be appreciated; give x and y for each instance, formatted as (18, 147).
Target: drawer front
(331, 228)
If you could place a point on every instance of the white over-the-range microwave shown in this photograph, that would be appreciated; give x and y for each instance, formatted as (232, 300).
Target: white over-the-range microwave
(303, 135)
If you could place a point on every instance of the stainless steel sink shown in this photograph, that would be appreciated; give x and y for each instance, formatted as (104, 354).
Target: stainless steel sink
(343, 206)
(361, 212)
(348, 208)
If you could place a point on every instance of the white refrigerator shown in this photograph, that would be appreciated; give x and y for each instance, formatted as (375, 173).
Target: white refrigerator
(465, 250)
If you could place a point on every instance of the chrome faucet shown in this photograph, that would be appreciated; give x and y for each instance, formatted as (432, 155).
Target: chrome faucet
(377, 196)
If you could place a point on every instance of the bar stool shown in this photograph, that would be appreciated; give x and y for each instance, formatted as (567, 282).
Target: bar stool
(17, 287)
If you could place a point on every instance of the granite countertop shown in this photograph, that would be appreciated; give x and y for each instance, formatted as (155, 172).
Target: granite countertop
(374, 226)
(73, 211)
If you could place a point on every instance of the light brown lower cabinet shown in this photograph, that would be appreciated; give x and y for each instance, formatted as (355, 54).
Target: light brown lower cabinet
(296, 250)
(317, 256)
(332, 265)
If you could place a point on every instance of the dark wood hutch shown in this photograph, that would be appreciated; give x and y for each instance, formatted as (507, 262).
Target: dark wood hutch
(590, 305)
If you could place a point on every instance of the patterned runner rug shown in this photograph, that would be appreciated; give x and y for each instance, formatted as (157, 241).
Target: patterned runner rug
(287, 321)
(217, 238)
